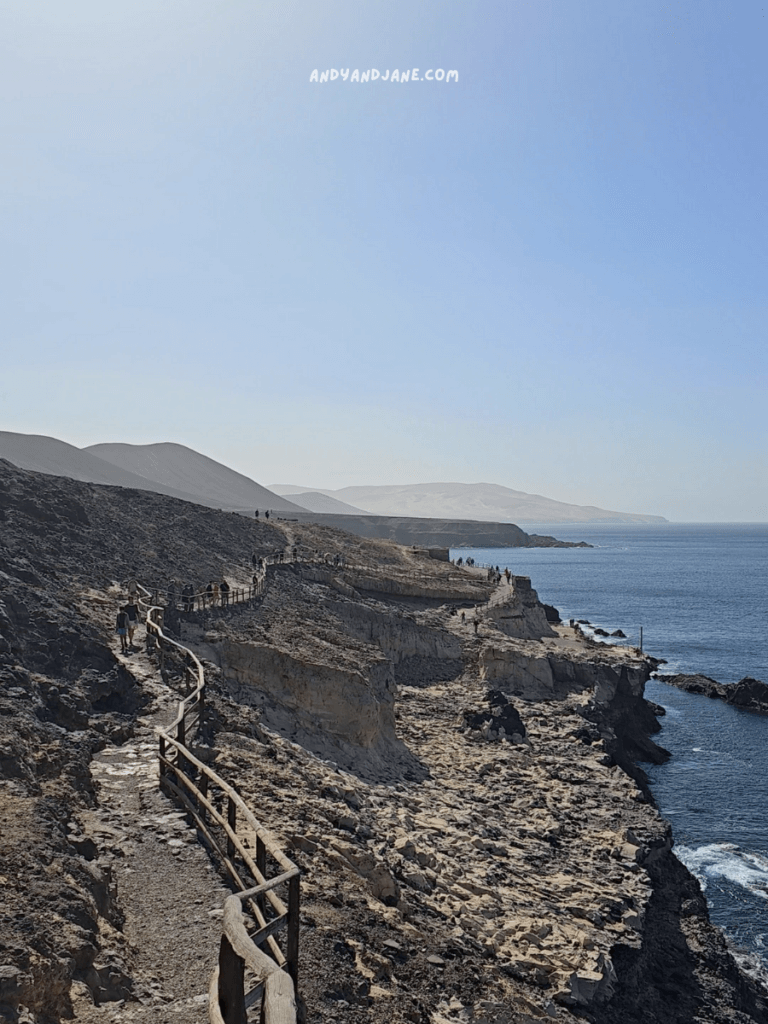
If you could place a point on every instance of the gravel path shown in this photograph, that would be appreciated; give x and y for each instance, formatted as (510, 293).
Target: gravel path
(170, 894)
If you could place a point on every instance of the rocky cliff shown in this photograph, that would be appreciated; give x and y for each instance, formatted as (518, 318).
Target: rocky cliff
(455, 774)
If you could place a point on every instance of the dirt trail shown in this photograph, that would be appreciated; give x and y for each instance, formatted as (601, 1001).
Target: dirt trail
(171, 895)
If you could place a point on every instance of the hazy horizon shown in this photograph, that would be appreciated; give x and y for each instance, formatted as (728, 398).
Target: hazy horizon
(548, 274)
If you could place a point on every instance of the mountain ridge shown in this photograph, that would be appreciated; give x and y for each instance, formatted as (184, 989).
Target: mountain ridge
(485, 502)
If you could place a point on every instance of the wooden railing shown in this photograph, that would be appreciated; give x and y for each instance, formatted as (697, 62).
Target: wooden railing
(253, 969)
(203, 600)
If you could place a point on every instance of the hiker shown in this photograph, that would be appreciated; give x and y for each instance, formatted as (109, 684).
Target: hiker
(266, 514)
(171, 594)
(257, 514)
(224, 588)
(215, 593)
(255, 559)
(209, 594)
(295, 553)
(121, 628)
(133, 591)
(476, 623)
(463, 618)
(132, 611)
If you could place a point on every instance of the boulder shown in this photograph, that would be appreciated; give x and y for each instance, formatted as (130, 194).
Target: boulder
(501, 721)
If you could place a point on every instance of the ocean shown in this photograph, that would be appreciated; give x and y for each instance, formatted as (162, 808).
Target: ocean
(699, 592)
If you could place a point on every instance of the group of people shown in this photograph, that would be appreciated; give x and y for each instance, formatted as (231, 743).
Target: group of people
(127, 622)
(215, 593)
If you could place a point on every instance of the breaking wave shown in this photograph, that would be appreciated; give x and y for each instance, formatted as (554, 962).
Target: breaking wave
(726, 861)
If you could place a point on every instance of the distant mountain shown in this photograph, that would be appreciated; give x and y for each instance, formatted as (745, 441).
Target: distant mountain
(57, 458)
(180, 467)
(288, 490)
(484, 502)
(316, 501)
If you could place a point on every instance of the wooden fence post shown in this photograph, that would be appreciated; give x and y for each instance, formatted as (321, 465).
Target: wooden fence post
(232, 822)
(203, 787)
(292, 945)
(231, 984)
(182, 741)
(261, 864)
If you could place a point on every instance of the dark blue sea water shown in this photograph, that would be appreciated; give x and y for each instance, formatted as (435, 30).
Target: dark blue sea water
(701, 595)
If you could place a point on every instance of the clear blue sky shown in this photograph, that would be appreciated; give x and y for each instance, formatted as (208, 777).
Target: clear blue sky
(549, 275)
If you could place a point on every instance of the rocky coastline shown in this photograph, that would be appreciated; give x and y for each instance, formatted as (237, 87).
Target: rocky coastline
(427, 532)
(458, 774)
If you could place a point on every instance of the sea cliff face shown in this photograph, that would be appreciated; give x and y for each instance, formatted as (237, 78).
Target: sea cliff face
(477, 840)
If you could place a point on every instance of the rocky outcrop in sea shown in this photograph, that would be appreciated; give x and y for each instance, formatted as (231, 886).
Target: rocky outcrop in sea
(748, 694)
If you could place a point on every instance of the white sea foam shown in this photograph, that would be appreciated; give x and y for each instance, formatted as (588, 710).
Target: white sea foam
(726, 860)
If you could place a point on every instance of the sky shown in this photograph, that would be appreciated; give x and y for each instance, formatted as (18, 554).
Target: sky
(549, 274)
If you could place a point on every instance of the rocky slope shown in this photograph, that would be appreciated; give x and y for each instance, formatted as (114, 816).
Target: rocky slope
(454, 773)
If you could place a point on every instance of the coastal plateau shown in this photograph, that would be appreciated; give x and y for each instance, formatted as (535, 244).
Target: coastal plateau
(456, 773)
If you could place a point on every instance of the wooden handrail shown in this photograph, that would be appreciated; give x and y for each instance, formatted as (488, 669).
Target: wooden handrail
(277, 973)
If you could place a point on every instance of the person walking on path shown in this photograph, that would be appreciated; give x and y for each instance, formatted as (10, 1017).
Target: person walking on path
(121, 628)
(224, 588)
(133, 591)
(215, 593)
(209, 595)
(132, 611)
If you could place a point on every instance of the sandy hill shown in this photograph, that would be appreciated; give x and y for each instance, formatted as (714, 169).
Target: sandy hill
(488, 502)
(180, 467)
(43, 454)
